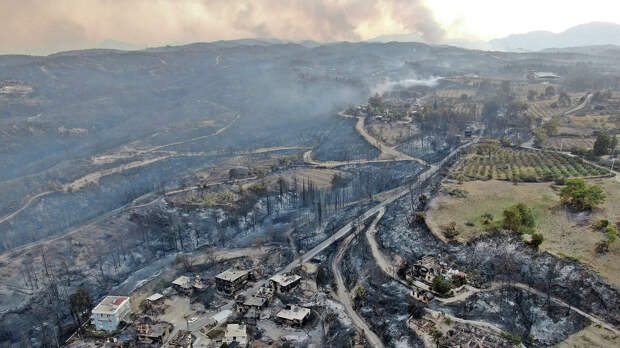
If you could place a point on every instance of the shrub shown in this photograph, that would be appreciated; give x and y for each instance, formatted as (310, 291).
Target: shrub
(537, 240)
(450, 231)
(519, 218)
(487, 218)
(560, 180)
(602, 246)
(612, 233)
(420, 216)
(528, 177)
(601, 224)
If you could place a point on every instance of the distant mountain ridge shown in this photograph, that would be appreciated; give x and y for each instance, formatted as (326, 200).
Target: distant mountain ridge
(589, 34)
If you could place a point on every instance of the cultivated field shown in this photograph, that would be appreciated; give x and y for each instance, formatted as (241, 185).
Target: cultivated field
(523, 165)
(542, 109)
(566, 233)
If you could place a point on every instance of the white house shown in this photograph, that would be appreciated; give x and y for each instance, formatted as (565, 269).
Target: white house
(237, 333)
(109, 312)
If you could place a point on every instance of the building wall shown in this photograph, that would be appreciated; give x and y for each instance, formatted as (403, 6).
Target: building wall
(110, 321)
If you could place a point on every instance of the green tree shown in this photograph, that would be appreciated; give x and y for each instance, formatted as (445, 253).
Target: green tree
(582, 196)
(440, 285)
(527, 217)
(519, 218)
(602, 144)
(512, 219)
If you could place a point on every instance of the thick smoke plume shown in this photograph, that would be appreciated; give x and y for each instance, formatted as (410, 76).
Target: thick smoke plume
(43, 26)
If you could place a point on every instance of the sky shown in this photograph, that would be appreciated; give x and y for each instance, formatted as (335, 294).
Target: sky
(46, 26)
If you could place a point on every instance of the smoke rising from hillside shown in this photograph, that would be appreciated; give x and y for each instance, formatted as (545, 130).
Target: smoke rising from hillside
(388, 85)
(44, 26)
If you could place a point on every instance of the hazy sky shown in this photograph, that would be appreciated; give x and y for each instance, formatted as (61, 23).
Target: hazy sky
(44, 26)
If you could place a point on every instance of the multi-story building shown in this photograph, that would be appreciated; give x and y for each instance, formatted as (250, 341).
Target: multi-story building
(231, 280)
(109, 312)
(236, 333)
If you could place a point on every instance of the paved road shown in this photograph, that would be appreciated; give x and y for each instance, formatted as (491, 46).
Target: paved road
(585, 103)
(346, 229)
(344, 296)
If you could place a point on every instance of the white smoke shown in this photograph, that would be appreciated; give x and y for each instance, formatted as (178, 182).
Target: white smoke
(389, 84)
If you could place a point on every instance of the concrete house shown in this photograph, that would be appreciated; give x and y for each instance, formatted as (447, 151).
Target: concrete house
(187, 285)
(284, 283)
(253, 302)
(109, 312)
(231, 281)
(236, 333)
(153, 334)
(426, 269)
(293, 315)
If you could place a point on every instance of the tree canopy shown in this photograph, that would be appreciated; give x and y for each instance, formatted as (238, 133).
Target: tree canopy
(582, 196)
(519, 218)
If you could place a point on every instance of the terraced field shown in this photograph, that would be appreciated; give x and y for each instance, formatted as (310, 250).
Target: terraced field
(543, 109)
(455, 93)
(523, 165)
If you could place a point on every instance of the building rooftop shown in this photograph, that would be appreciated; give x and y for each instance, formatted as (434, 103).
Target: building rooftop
(110, 304)
(231, 274)
(156, 296)
(183, 281)
(294, 313)
(546, 75)
(255, 301)
(222, 316)
(285, 280)
(236, 330)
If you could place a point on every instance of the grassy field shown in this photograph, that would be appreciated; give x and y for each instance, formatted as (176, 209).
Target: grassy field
(392, 134)
(565, 233)
(567, 143)
(524, 165)
(592, 336)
